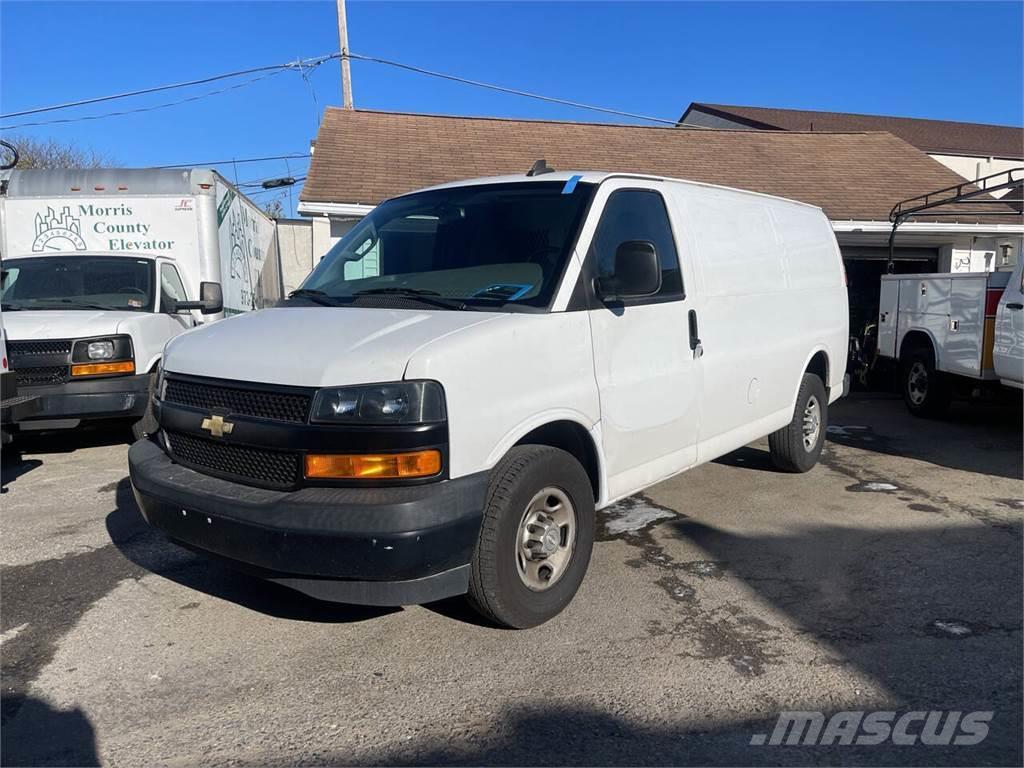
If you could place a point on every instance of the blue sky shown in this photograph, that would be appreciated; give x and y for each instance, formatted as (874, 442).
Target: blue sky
(914, 59)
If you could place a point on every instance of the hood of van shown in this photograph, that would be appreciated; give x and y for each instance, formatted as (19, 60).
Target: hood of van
(314, 346)
(31, 325)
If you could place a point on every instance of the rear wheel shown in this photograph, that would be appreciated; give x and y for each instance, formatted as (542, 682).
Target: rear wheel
(536, 537)
(926, 391)
(797, 446)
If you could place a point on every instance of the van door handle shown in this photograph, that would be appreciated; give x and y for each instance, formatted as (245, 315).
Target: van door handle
(695, 346)
(1015, 305)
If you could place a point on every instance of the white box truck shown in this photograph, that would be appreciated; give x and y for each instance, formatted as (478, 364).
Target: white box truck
(946, 329)
(103, 266)
(474, 368)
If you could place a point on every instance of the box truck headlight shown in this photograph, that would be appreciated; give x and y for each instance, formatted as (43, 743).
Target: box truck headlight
(102, 357)
(100, 350)
(401, 402)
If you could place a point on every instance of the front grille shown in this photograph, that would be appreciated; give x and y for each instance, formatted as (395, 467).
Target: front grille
(261, 403)
(49, 347)
(49, 374)
(277, 469)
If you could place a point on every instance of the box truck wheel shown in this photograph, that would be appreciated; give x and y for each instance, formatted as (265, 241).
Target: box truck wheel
(147, 425)
(926, 391)
(797, 446)
(536, 537)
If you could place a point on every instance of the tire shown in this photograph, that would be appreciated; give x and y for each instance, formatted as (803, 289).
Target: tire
(790, 451)
(148, 424)
(524, 484)
(926, 391)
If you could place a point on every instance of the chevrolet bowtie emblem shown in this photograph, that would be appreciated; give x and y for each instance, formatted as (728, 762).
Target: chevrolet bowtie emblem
(217, 426)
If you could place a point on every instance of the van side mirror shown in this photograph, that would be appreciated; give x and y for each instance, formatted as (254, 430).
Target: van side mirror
(211, 300)
(637, 272)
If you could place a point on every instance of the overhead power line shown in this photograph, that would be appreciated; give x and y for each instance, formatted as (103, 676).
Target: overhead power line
(298, 64)
(513, 91)
(230, 161)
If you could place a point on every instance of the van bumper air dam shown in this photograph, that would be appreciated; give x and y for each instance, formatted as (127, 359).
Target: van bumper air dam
(106, 398)
(400, 545)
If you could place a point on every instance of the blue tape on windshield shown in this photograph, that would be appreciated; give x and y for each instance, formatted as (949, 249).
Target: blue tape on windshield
(570, 185)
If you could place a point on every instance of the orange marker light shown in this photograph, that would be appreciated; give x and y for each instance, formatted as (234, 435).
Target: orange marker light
(373, 466)
(102, 369)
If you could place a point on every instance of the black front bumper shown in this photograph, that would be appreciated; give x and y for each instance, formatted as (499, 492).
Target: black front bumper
(116, 397)
(372, 546)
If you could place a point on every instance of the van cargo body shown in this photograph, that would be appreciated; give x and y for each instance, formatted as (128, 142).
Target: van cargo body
(105, 253)
(475, 368)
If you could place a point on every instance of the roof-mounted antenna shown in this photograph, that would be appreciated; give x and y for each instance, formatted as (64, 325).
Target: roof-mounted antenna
(539, 168)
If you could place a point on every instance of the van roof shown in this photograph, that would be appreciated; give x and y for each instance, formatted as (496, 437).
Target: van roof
(596, 177)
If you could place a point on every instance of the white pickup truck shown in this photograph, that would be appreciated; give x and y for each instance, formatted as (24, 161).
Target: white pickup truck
(950, 329)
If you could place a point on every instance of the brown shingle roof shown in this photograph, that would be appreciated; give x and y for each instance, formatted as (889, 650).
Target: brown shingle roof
(935, 136)
(366, 157)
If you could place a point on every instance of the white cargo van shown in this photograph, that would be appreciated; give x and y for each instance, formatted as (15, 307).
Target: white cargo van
(103, 266)
(947, 329)
(476, 367)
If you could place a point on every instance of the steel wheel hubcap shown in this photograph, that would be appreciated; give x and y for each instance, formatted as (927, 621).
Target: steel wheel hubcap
(546, 539)
(812, 423)
(917, 383)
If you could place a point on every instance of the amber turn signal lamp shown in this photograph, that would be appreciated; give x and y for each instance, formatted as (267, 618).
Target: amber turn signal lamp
(373, 466)
(102, 369)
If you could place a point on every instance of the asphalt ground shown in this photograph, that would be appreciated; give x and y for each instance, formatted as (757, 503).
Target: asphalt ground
(887, 579)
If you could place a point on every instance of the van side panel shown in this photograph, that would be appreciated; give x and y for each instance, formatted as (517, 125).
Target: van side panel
(771, 295)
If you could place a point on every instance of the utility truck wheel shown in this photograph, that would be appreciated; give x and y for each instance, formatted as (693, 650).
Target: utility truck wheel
(536, 537)
(797, 446)
(925, 390)
(147, 425)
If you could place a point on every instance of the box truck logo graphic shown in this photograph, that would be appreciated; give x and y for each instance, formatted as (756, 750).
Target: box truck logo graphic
(185, 204)
(58, 233)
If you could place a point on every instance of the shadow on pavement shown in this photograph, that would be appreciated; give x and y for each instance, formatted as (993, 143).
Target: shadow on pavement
(43, 735)
(982, 437)
(148, 549)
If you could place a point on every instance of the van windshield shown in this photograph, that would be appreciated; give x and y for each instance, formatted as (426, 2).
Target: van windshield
(490, 246)
(78, 282)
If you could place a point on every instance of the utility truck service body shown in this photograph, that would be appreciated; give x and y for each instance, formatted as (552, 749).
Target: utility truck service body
(103, 266)
(474, 368)
(949, 328)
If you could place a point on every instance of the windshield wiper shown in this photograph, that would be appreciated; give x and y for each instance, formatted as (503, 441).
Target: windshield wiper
(419, 294)
(10, 307)
(314, 295)
(90, 305)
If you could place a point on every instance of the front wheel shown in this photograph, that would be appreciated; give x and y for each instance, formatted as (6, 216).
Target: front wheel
(797, 446)
(536, 537)
(147, 425)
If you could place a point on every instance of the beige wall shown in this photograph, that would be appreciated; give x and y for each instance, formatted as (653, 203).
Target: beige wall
(975, 167)
(295, 246)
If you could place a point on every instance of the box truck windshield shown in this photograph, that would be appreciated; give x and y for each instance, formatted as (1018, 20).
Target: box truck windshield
(88, 282)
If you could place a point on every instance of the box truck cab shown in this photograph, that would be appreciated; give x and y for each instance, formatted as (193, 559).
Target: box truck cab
(475, 368)
(87, 329)
(103, 266)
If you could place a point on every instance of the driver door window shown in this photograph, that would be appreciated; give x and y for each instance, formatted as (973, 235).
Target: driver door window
(171, 289)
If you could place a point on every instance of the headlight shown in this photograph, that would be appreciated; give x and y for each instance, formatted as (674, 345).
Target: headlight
(401, 402)
(100, 350)
(102, 357)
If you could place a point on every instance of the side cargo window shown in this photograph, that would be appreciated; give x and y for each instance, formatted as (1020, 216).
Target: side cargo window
(171, 289)
(638, 214)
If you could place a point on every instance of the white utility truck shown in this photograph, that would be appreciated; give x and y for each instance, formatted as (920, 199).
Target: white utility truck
(473, 368)
(947, 329)
(103, 266)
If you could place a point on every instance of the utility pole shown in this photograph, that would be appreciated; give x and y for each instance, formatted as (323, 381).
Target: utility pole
(346, 73)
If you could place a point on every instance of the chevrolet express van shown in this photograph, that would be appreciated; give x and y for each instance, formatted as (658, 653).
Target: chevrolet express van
(475, 368)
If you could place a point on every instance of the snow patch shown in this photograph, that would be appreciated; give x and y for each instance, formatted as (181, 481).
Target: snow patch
(952, 628)
(633, 514)
(880, 487)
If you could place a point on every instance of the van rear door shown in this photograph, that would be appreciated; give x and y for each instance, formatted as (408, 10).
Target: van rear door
(888, 316)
